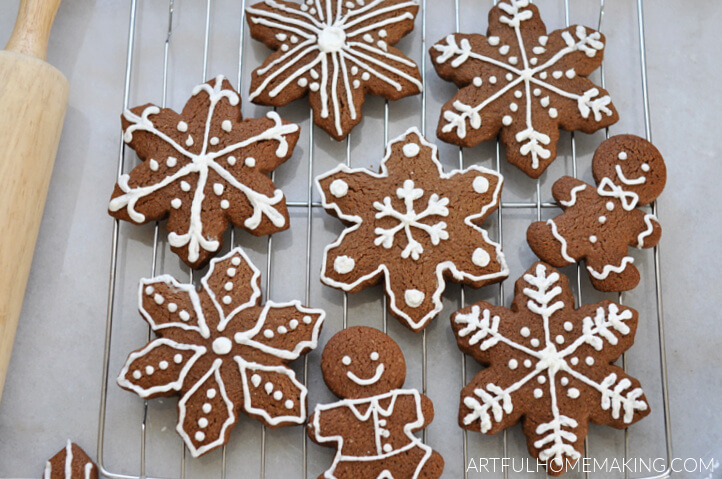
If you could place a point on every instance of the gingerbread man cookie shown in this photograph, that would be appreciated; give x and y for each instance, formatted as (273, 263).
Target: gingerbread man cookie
(550, 366)
(203, 169)
(373, 425)
(70, 463)
(412, 226)
(599, 224)
(336, 52)
(221, 351)
(522, 84)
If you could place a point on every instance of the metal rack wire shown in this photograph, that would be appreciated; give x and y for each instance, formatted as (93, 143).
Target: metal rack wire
(311, 208)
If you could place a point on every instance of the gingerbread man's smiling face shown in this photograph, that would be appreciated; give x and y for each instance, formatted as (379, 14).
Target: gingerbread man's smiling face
(633, 164)
(361, 362)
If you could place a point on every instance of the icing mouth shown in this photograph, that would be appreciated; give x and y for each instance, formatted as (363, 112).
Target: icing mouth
(369, 381)
(633, 181)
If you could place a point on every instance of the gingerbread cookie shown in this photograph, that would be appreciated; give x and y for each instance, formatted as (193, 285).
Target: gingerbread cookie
(522, 84)
(70, 463)
(550, 366)
(334, 51)
(412, 226)
(372, 427)
(599, 224)
(221, 351)
(203, 169)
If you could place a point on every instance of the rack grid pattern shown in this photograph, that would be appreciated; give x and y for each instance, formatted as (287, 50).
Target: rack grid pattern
(309, 211)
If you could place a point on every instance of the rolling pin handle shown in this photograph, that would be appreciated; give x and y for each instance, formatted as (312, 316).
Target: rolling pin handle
(32, 27)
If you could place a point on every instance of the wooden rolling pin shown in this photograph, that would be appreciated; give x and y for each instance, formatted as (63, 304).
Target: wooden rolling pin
(33, 98)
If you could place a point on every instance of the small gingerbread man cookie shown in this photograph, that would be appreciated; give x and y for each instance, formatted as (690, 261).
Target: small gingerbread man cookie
(599, 224)
(373, 425)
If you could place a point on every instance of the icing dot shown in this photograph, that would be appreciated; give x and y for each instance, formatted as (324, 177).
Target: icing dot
(203, 422)
(480, 184)
(544, 101)
(557, 74)
(228, 286)
(250, 162)
(568, 326)
(315, 75)
(171, 161)
(513, 60)
(172, 307)
(541, 379)
(307, 319)
(314, 86)
(184, 315)
(564, 381)
(387, 447)
(189, 141)
(214, 140)
(622, 155)
(645, 166)
(344, 264)
(268, 333)
(236, 261)
(492, 80)
(176, 203)
(574, 361)
(256, 380)
(225, 204)
(227, 299)
(374, 356)
(518, 94)
(543, 75)
(368, 37)
(218, 188)
(414, 298)
(411, 150)
(538, 393)
(535, 342)
(163, 365)
(477, 82)
(178, 358)
(281, 37)
(288, 404)
(365, 76)
(592, 239)
(602, 219)
(513, 106)
(525, 332)
(302, 82)
(200, 436)
(504, 49)
(282, 330)
(346, 360)
(553, 113)
(182, 126)
(268, 387)
(354, 70)
(153, 164)
(158, 299)
(610, 206)
(149, 370)
(382, 45)
(513, 364)
(207, 408)
(137, 374)
(508, 76)
(493, 41)
(480, 257)
(543, 40)
(589, 361)
(226, 125)
(293, 324)
(284, 47)
(338, 188)
(149, 290)
(527, 363)
(559, 339)
(356, 83)
(573, 393)
(222, 345)
(294, 39)
(185, 186)
(278, 395)
(211, 393)
(231, 160)
(506, 120)
(534, 60)
(231, 272)
(570, 73)
(537, 92)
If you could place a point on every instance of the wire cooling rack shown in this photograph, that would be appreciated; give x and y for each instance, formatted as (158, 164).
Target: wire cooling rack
(175, 45)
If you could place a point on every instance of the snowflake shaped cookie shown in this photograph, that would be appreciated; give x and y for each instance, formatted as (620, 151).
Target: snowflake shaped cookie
(336, 51)
(221, 351)
(203, 169)
(413, 226)
(550, 366)
(522, 82)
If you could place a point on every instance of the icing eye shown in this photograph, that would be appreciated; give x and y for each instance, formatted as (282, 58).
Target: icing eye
(645, 167)
(622, 155)
(346, 360)
(374, 356)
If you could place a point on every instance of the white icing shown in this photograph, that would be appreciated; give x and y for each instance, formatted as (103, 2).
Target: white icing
(335, 42)
(346, 360)
(573, 195)
(344, 264)
(445, 268)
(610, 268)
(592, 239)
(480, 184)
(531, 142)
(649, 221)
(200, 166)
(622, 155)
(628, 181)
(374, 356)
(227, 126)
(218, 189)
(414, 298)
(367, 381)
(250, 162)
(338, 188)
(525, 332)
(645, 167)
(513, 364)
(480, 257)
(222, 345)
(182, 126)
(411, 150)
(562, 241)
